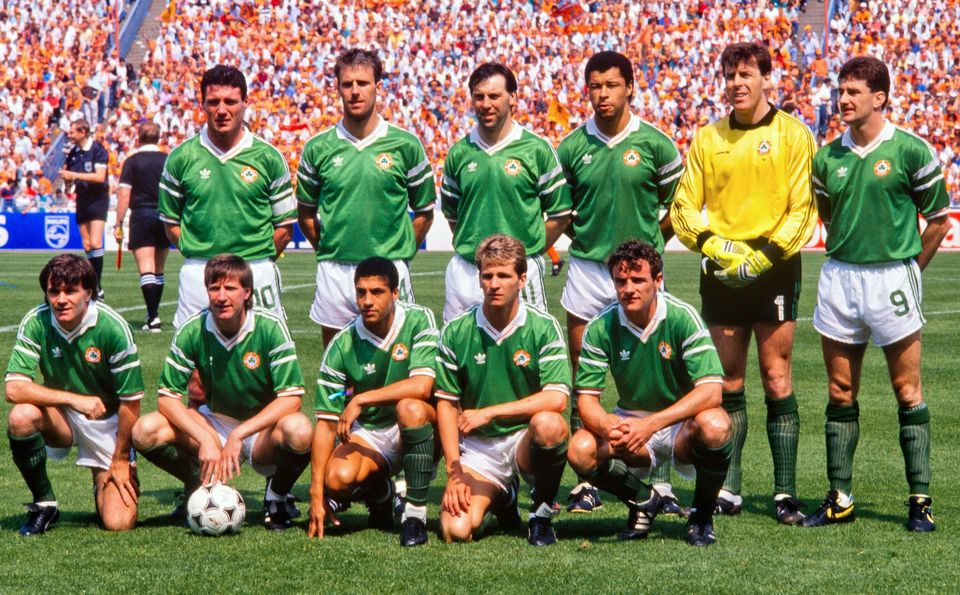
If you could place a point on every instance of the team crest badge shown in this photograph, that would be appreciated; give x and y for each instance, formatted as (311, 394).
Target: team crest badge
(92, 355)
(251, 360)
(521, 358)
(631, 158)
(881, 168)
(764, 147)
(249, 175)
(666, 352)
(384, 161)
(512, 167)
(400, 352)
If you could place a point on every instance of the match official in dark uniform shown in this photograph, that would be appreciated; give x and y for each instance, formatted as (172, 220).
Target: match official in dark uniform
(86, 169)
(139, 181)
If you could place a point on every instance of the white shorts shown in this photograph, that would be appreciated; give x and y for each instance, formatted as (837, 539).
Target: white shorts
(335, 301)
(589, 288)
(495, 458)
(857, 301)
(462, 286)
(96, 439)
(193, 291)
(660, 447)
(385, 441)
(224, 424)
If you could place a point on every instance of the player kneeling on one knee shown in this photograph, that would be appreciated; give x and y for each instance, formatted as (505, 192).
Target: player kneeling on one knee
(669, 380)
(90, 395)
(375, 382)
(247, 361)
(502, 384)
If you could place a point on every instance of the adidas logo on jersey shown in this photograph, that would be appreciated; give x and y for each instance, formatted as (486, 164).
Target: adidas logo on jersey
(472, 166)
(841, 172)
(56, 351)
(624, 354)
(370, 368)
(204, 174)
(587, 159)
(480, 358)
(337, 161)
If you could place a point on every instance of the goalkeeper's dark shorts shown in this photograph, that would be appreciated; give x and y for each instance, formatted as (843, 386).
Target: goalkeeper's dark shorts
(771, 298)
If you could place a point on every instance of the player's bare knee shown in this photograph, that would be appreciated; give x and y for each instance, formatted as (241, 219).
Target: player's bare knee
(548, 428)
(908, 394)
(146, 431)
(119, 521)
(297, 432)
(341, 476)
(582, 451)
(412, 413)
(713, 427)
(456, 529)
(24, 419)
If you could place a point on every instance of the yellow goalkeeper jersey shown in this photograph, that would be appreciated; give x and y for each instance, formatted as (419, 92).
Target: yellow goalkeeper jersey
(754, 181)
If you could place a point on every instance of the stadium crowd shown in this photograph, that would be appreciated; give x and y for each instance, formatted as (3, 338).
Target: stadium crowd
(59, 71)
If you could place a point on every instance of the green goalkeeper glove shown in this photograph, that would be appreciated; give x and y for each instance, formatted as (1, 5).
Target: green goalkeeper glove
(747, 270)
(725, 253)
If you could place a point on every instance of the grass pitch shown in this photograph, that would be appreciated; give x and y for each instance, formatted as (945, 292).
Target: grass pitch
(753, 553)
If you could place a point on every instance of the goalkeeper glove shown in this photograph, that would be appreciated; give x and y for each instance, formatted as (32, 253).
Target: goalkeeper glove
(746, 270)
(725, 253)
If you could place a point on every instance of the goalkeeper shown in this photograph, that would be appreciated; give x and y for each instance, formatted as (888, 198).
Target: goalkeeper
(751, 170)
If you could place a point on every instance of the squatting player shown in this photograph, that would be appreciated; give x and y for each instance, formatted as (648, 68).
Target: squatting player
(226, 191)
(247, 360)
(375, 381)
(500, 178)
(356, 181)
(89, 396)
(668, 378)
(870, 184)
(752, 171)
(622, 171)
(502, 384)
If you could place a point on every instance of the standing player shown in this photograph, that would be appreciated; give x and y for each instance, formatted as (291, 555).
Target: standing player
(752, 171)
(375, 380)
(90, 396)
(226, 191)
(139, 181)
(501, 178)
(622, 171)
(248, 363)
(871, 183)
(357, 181)
(668, 378)
(502, 386)
(86, 169)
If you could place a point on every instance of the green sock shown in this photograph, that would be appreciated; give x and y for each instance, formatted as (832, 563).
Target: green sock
(711, 465)
(660, 474)
(30, 456)
(417, 445)
(178, 462)
(548, 463)
(783, 433)
(575, 422)
(843, 433)
(290, 466)
(735, 404)
(615, 477)
(915, 444)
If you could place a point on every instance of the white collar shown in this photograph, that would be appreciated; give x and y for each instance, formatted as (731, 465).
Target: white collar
(89, 320)
(384, 344)
(500, 336)
(230, 343)
(885, 135)
(147, 148)
(644, 333)
(245, 142)
(85, 146)
(362, 143)
(516, 131)
(611, 141)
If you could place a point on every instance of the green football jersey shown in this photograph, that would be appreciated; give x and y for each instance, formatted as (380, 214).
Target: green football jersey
(241, 374)
(652, 367)
(226, 202)
(358, 360)
(506, 188)
(98, 357)
(362, 190)
(618, 185)
(870, 196)
(480, 366)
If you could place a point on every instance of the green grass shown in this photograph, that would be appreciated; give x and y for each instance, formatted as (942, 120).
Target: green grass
(753, 553)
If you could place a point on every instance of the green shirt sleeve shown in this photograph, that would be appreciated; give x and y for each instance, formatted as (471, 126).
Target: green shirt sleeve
(552, 186)
(332, 384)
(819, 182)
(283, 205)
(284, 366)
(929, 187)
(697, 350)
(554, 361)
(423, 356)
(308, 176)
(180, 362)
(421, 190)
(450, 189)
(25, 357)
(594, 360)
(448, 384)
(124, 360)
(669, 170)
(170, 199)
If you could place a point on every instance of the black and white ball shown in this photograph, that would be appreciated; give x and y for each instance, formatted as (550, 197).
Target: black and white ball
(216, 510)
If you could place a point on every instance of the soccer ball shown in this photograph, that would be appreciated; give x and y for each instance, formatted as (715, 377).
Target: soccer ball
(215, 510)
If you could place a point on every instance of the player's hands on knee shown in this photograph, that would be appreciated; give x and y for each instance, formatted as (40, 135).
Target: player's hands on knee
(725, 253)
(350, 414)
(122, 476)
(747, 270)
(456, 498)
(230, 457)
(634, 432)
(90, 407)
(470, 419)
(209, 456)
